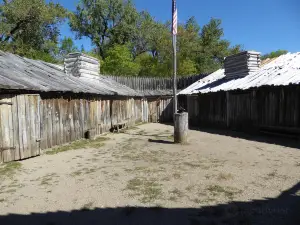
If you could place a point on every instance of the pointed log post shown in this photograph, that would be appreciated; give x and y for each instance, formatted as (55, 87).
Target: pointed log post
(181, 128)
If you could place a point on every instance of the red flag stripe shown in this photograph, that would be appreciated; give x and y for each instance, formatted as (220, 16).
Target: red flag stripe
(174, 30)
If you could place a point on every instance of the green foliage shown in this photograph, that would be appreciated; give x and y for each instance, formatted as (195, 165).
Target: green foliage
(30, 27)
(187, 67)
(275, 54)
(127, 42)
(105, 22)
(119, 61)
(67, 46)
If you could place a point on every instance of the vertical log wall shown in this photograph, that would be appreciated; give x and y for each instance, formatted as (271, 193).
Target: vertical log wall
(267, 109)
(30, 123)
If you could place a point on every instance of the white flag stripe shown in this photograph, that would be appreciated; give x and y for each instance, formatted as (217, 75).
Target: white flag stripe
(174, 26)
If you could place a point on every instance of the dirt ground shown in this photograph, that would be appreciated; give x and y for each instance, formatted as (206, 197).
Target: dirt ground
(215, 179)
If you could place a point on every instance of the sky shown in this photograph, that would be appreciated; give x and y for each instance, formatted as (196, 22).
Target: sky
(260, 25)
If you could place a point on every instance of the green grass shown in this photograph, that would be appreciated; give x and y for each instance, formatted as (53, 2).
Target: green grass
(272, 175)
(175, 194)
(225, 176)
(192, 165)
(196, 200)
(48, 179)
(218, 190)
(9, 169)
(87, 206)
(148, 190)
(76, 173)
(177, 175)
(190, 188)
(81, 144)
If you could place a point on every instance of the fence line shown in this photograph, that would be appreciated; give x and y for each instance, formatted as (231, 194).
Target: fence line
(156, 83)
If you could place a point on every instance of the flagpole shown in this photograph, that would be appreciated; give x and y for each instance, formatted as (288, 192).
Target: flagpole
(174, 74)
(174, 33)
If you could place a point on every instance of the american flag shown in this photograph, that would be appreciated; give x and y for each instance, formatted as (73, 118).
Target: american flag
(174, 21)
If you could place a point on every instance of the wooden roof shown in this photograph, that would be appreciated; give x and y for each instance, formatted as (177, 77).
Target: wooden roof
(19, 73)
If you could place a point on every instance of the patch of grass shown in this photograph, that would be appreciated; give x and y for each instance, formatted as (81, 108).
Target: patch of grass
(135, 155)
(151, 192)
(176, 175)
(207, 176)
(81, 144)
(96, 145)
(190, 188)
(76, 173)
(48, 179)
(9, 169)
(225, 176)
(87, 206)
(228, 192)
(297, 164)
(134, 184)
(166, 179)
(176, 193)
(196, 200)
(173, 199)
(192, 164)
(148, 190)
(2, 200)
(272, 174)
(9, 191)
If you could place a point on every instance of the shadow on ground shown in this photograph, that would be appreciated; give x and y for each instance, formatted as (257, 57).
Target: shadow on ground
(259, 137)
(160, 141)
(283, 210)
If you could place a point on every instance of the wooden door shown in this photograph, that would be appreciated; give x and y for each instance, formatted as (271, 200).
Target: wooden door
(7, 140)
(28, 119)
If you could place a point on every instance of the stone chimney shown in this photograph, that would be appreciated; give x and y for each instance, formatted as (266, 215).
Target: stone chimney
(241, 64)
(80, 65)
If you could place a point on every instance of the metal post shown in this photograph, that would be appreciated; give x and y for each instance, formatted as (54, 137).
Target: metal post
(174, 74)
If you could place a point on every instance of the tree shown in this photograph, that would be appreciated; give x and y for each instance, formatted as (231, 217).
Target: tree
(67, 46)
(274, 54)
(28, 26)
(213, 49)
(105, 22)
(119, 61)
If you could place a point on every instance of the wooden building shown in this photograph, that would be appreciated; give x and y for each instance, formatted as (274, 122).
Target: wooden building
(265, 101)
(42, 107)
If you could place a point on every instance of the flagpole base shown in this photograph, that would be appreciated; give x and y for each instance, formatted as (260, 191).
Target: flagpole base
(181, 127)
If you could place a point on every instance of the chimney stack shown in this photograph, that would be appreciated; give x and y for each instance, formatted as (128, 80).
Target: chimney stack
(241, 64)
(80, 65)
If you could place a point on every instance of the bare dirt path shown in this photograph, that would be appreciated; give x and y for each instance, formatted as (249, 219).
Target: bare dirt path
(141, 167)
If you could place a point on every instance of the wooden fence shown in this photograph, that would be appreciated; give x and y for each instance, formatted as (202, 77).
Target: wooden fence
(30, 123)
(156, 83)
(265, 109)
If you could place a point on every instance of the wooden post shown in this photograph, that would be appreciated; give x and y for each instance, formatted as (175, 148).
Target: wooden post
(181, 128)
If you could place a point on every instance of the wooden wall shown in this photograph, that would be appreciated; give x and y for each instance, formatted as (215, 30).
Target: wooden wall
(156, 83)
(273, 109)
(64, 120)
(160, 110)
(30, 123)
(19, 127)
(208, 109)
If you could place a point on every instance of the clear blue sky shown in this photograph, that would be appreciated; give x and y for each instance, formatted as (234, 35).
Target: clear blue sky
(261, 25)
